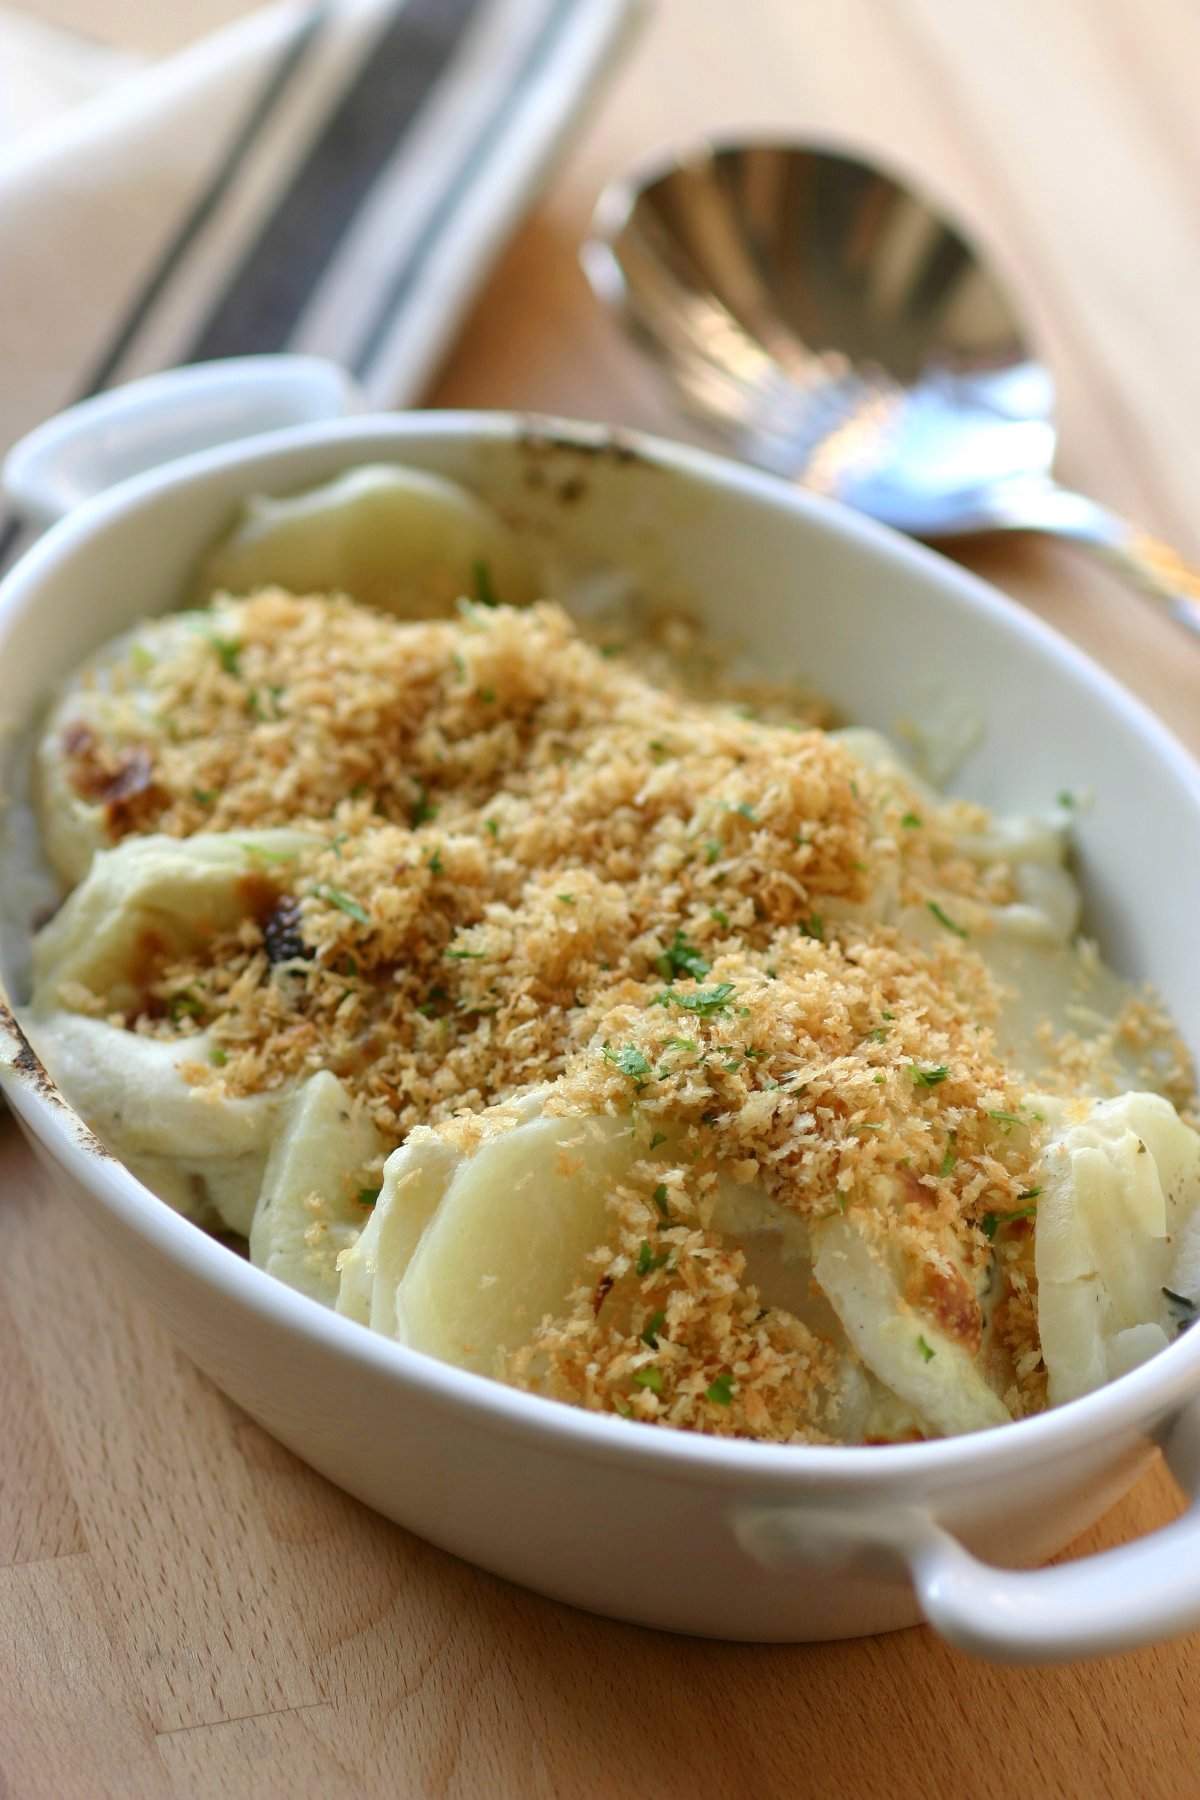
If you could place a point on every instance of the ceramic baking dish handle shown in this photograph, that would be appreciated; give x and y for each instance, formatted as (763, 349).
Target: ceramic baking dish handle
(1138, 1594)
(146, 423)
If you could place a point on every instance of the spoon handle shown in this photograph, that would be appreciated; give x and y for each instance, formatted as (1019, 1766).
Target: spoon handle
(1149, 564)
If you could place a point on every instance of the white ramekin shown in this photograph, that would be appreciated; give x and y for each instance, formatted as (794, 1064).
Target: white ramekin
(730, 1539)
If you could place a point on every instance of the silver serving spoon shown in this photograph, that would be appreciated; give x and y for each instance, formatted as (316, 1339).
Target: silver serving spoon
(834, 329)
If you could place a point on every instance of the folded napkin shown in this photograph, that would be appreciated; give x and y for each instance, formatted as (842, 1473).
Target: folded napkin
(333, 178)
(45, 70)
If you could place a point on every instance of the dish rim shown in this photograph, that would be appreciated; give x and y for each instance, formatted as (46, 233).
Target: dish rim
(1147, 1394)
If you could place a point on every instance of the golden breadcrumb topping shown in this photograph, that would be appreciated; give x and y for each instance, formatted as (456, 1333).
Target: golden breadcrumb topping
(833, 1077)
(278, 707)
(537, 865)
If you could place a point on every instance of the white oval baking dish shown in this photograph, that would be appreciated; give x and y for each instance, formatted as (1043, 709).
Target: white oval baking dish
(729, 1539)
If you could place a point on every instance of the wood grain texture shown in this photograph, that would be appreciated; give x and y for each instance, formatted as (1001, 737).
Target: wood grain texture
(187, 1610)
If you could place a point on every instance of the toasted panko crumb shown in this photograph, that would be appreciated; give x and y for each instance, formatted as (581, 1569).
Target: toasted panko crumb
(540, 867)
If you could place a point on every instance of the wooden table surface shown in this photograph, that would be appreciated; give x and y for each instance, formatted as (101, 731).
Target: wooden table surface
(185, 1608)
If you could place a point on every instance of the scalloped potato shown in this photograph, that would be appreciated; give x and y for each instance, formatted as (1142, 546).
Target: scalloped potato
(649, 1056)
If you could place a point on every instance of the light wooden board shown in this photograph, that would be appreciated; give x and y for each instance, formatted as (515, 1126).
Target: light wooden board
(187, 1610)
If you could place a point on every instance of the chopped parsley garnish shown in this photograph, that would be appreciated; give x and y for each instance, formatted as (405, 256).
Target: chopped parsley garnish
(228, 650)
(712, 850)
(705, 1001)
(649, 1378)
(465, 955)
(184, 1006)
(721, 1391)
(1007, 1119)
(435, 864)
(262, 854)
(721, 918)
(654, 1325)
(218, 1056)
(746, 811)
(647, 1262)
(484, 591)
(912, 821)
(660, 1200)
(611, 650)
(928, 1077)
(681, 959)
(259, 707)
(422, 812)
(943, 919)
(813, 927)
(368, 1196)
(951, 1156)
(991, 1222)
(1066, 798)
(630, 1061)
(344, 903)
(492, 826)
(203, 796)
(926, 1350)
(660, 1137)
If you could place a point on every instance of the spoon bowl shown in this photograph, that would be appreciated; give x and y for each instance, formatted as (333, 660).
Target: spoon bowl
(834, 328)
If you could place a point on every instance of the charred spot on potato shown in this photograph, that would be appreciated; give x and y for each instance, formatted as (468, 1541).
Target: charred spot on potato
(123, 783)
(282, 936)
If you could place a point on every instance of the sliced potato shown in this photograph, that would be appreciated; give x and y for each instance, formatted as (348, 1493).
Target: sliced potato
(201, 1151)
(510, 1241)
(311, 1208)
(415, 1181)
(218, 1193)
(903, 1347)
(466, 1253)
(398, 539)
(1121, 1178)
(110, 699)
(159, 893)
(777, 1245)
(203, 1156)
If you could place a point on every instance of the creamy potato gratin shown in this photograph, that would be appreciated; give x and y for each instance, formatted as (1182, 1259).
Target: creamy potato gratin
(627, 1046)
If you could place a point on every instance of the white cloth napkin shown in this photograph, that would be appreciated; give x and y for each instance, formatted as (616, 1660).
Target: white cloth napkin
(329, 177)
(44, 71)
